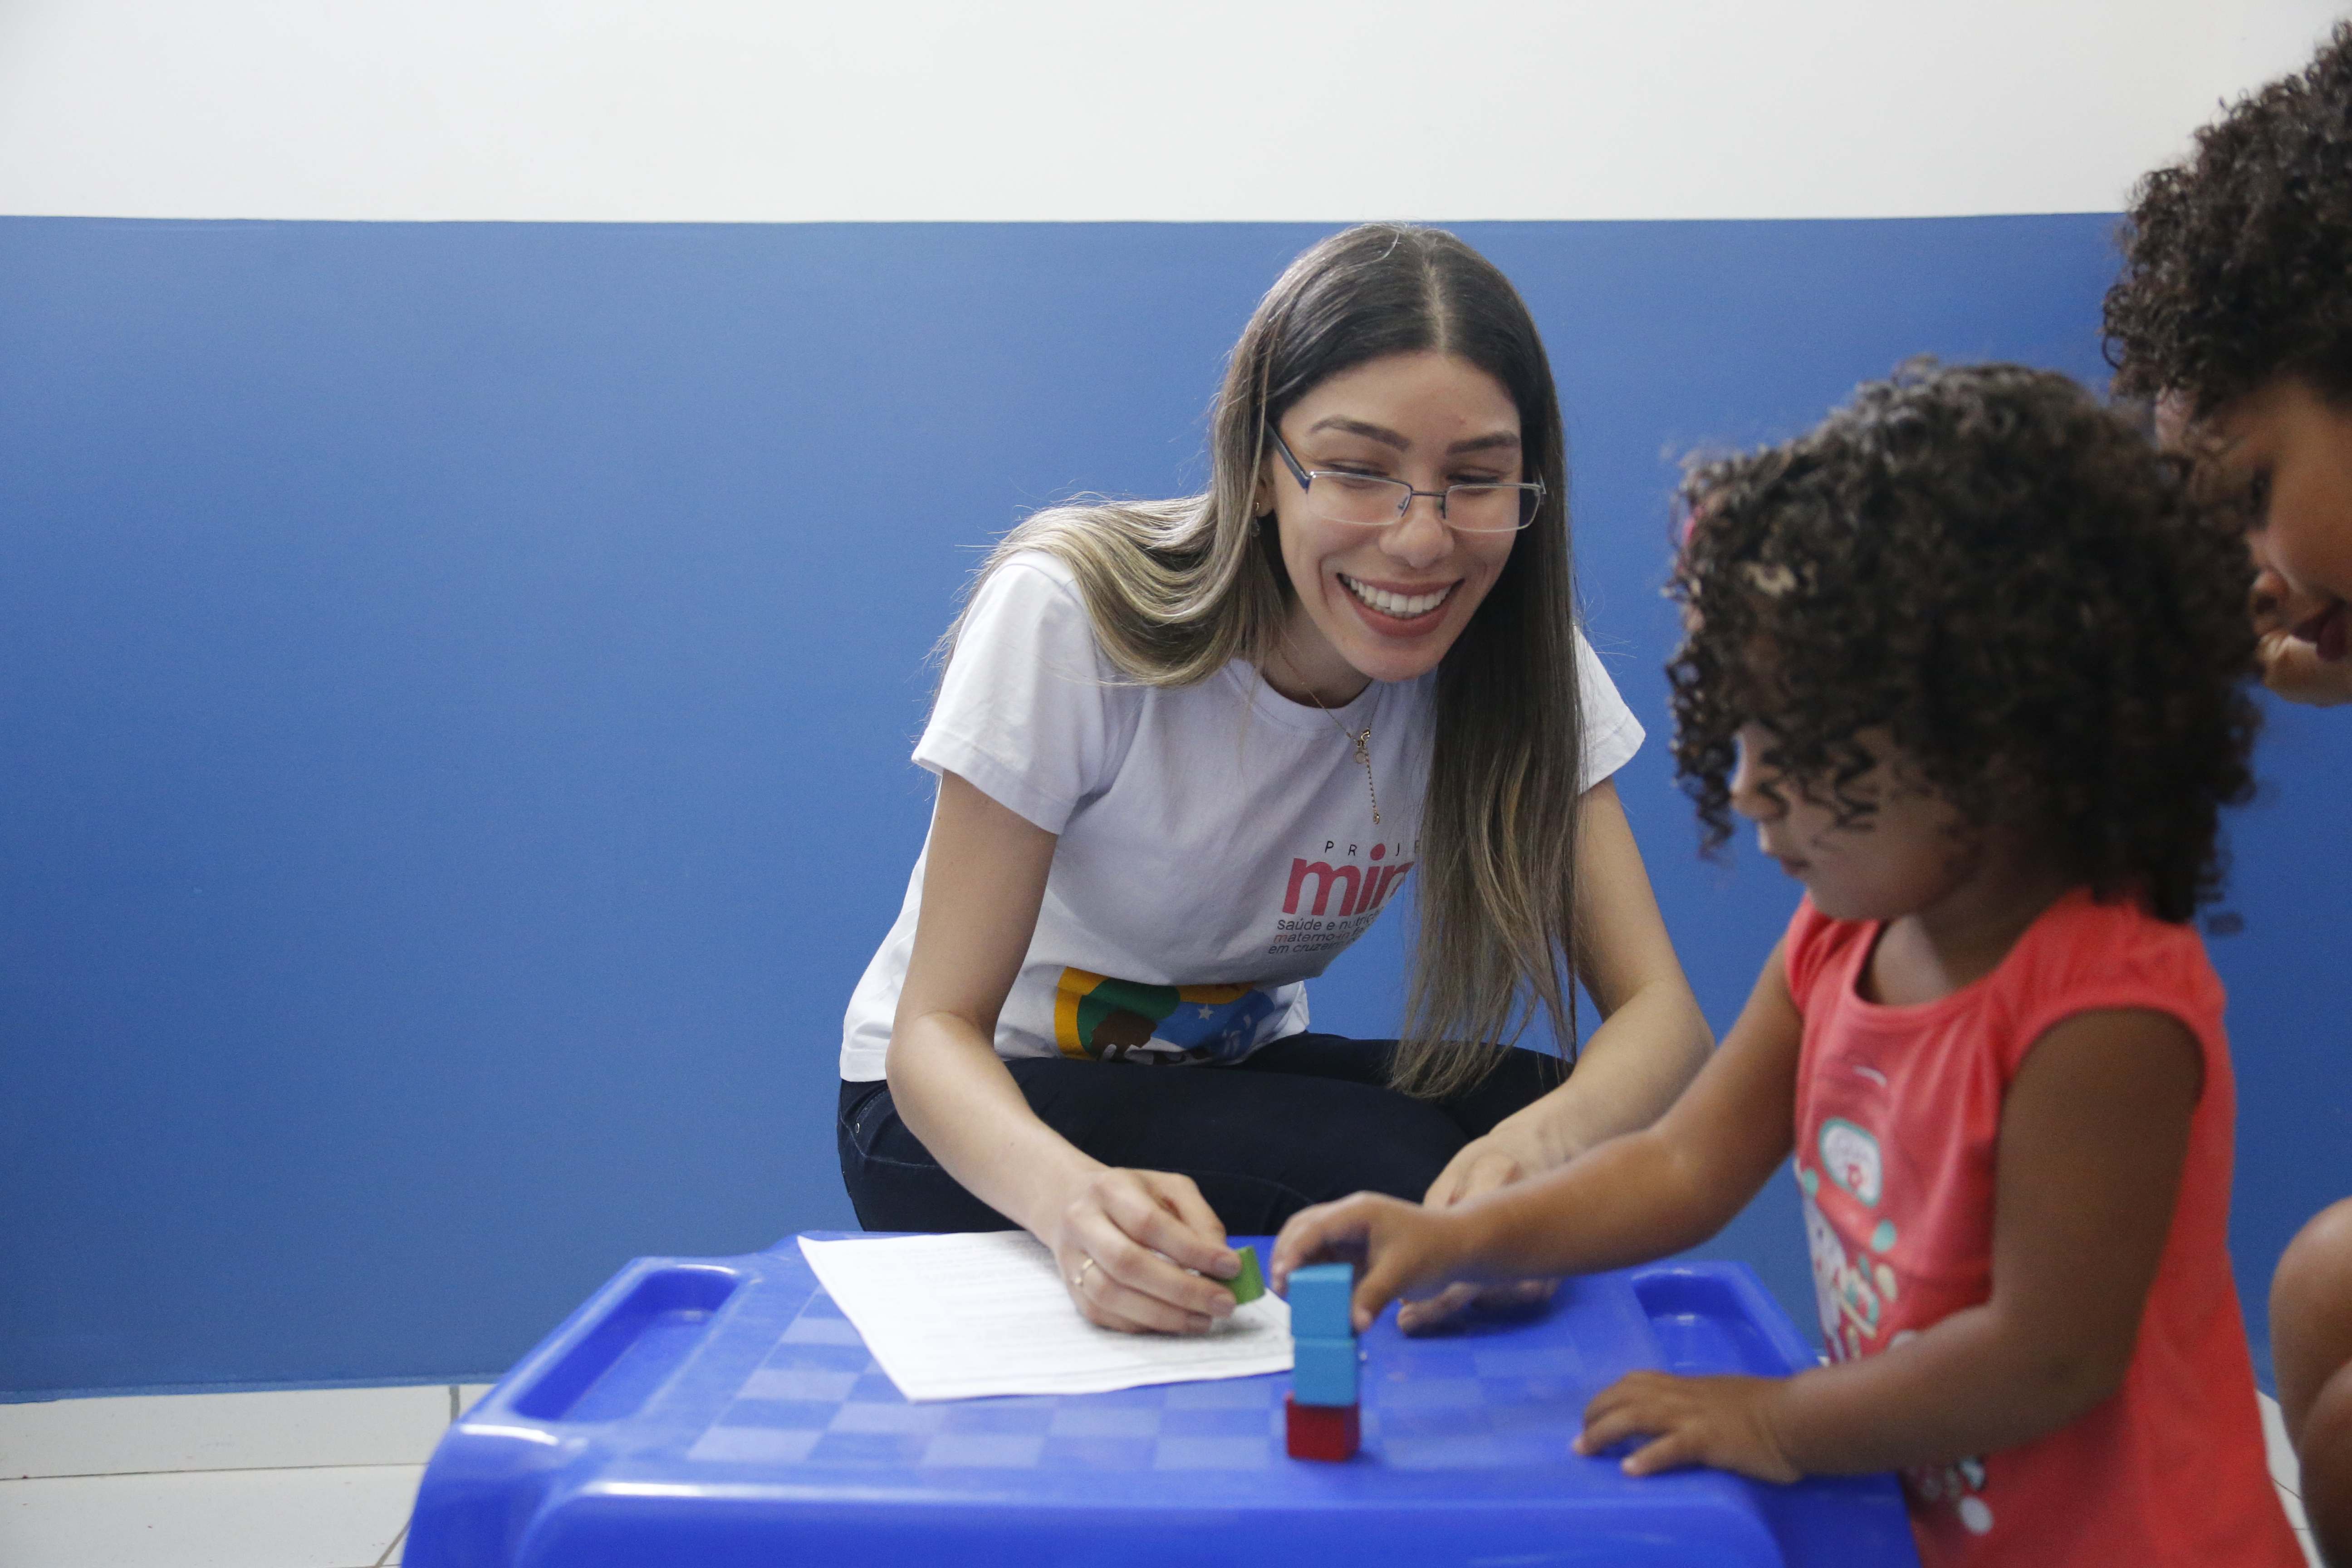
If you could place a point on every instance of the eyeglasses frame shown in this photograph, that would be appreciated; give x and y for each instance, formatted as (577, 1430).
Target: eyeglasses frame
(1533, 489)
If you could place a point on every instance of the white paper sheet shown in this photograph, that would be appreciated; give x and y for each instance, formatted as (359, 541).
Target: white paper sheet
(957, 1317)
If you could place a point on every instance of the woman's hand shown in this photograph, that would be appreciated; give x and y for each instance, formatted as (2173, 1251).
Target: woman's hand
(2303, 668)
(1652, 1040)
(1726, 1422)
(2295, 668)
(1484, 1164)
(1132, 1246)
(1124, 1241)
(1399, 1250)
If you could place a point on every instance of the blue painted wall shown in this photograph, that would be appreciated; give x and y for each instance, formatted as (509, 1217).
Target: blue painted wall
(456, 682)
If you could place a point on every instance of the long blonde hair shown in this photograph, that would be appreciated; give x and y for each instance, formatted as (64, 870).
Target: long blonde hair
(1178, 589)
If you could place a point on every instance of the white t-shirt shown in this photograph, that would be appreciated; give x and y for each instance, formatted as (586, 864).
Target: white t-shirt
(1216, 844)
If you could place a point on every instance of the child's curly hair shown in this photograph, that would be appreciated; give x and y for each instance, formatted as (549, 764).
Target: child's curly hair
(2007, 579)
(2238, 261)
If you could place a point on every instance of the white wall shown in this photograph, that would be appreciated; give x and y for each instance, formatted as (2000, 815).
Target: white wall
(1091, 110)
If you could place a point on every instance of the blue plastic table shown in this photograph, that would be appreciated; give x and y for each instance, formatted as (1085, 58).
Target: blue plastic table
(719, 1412)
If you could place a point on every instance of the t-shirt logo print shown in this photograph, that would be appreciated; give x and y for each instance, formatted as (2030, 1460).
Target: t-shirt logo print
(1850, 1157)
(1100, 1018)
(1852, 1292)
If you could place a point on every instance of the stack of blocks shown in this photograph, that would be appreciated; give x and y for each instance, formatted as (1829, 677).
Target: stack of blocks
(1318, 1416)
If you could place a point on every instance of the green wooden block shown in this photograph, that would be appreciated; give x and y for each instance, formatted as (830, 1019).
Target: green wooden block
(1249, 1284)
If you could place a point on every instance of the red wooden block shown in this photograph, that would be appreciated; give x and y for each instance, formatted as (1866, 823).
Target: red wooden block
(1319, 1431)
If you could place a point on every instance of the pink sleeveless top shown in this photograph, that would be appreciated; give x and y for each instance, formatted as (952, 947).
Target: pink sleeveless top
(1898, 1117)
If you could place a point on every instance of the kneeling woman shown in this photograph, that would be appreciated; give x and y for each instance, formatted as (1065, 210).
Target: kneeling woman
(1187, 752)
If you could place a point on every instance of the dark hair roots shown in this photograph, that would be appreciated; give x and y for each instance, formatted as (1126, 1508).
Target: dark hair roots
(2238, 261)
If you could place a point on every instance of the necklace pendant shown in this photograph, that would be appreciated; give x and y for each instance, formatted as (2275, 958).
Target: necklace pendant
(1364, 756)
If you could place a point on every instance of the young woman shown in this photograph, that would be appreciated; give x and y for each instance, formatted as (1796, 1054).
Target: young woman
(1189, 750)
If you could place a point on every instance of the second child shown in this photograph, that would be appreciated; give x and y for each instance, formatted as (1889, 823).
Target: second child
(1971, 658)
(2236, 311)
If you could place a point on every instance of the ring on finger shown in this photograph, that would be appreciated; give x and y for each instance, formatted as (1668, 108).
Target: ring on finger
(1078, 1280)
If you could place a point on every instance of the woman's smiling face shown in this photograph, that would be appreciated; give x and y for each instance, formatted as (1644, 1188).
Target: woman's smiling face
(1384, 604)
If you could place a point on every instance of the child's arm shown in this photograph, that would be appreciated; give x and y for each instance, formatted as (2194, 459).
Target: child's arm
(2311, 1343)
(2093, 1135)
(1632, 1198)
(2324, 1447)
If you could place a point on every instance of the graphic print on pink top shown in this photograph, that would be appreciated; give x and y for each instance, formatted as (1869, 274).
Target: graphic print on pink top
(1898, 1131)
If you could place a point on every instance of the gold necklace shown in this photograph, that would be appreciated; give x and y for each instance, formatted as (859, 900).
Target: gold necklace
(1363, 754)
(1363, 743)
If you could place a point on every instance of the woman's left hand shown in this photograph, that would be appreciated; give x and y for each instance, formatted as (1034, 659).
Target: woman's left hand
(1650, 1041)
(2293, 667)
(1484, 1164)
(1726, 1422)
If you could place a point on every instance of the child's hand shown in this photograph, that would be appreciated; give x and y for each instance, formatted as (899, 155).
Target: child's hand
(1399, 1250)
(1726, 1422)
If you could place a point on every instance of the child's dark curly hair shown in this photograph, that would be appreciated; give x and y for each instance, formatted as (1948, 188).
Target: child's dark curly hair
(2238, 262)
(1982, 562)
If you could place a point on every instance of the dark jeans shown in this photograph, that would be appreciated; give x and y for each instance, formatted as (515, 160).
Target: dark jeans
(1308, 1119)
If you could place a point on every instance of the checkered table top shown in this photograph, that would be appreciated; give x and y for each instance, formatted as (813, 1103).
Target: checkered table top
(724, 1411)
(818, 1400)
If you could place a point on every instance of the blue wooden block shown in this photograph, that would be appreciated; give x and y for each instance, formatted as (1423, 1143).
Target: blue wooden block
(1319, 1301)
(1323, 1372)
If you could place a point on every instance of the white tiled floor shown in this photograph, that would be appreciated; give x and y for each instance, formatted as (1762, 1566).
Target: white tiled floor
(316, 1480)
(321, 1479)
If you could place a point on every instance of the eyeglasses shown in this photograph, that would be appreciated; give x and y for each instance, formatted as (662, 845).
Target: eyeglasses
(1368, 500)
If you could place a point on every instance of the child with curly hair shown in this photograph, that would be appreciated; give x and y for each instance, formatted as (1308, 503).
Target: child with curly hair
(1970, 656)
